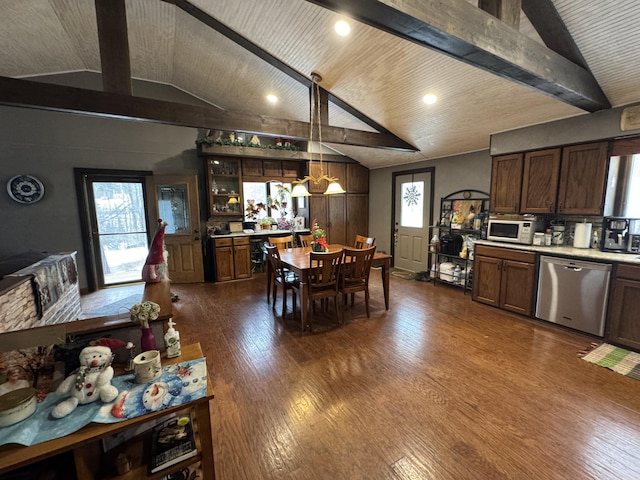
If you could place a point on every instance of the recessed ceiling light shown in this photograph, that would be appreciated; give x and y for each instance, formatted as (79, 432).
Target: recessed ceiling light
(342, 28)
(272, 98)
(429, 99)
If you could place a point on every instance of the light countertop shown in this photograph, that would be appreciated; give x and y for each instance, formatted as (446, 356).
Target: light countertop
(591, 254)
(259, 233)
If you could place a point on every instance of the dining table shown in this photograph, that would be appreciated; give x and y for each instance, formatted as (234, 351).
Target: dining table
(297, 261)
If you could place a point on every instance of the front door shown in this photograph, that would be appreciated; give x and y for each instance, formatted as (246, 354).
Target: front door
(413, 212)
(176, 202)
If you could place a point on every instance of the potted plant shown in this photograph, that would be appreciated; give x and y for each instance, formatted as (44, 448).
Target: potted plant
(265, 223)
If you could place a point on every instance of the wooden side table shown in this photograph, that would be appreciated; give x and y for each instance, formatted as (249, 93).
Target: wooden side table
(87, 449)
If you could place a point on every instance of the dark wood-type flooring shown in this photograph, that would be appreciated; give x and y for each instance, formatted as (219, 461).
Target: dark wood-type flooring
(439, 387)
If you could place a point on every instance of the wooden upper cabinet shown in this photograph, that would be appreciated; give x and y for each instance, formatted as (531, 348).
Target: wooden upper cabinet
(251, 167)
(357, 179)
(290, 169)
(506, 183)
(272, 168)
(332, 169)
(315, 171)
(583, 178)
(540, 181)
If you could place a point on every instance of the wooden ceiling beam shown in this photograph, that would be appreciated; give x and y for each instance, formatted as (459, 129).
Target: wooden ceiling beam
(506, 10)
(554, 33)
(248, 45)
(464, 32)
(45, 96)
(113, 39)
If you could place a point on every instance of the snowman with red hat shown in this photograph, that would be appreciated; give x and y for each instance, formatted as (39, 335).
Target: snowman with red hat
(155, 267)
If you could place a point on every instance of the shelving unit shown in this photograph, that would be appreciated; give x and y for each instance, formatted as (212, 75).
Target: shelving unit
(462, 214)
(224, 180)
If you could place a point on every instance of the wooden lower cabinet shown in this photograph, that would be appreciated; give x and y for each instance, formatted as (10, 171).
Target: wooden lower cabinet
(233, 258)
(624, 322)
(504, 278)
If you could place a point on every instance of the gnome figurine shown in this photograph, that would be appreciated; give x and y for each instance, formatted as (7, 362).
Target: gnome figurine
(155, 267)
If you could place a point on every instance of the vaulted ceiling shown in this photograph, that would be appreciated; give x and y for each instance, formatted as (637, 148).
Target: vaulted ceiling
(488, 75)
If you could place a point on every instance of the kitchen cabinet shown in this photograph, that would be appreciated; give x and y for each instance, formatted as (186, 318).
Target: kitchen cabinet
(341, 216)
(331, 214)
(623, 324)
(357, 178)
(233, 258)
(332, 169)
(569, 180)
(540, 175)
(583, 179)
(505, 278)
(357, 216)
(506, 183)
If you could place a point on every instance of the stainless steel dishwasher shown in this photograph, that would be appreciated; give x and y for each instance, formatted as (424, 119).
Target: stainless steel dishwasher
(573, 293)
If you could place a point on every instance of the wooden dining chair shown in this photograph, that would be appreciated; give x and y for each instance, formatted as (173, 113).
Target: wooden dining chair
(281, 242)
(281, 278)
(324, 277)
(364, 242)
(354, 276)
(305, 240)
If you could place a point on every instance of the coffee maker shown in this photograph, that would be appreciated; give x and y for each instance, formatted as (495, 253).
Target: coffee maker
(614, 236)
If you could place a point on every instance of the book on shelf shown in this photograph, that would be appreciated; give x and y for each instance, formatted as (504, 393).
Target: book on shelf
(172, 441)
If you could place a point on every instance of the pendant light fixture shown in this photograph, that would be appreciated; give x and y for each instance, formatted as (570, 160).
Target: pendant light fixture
(334, 187)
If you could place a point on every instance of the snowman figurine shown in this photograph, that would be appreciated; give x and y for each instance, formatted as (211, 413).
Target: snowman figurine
(90, 382)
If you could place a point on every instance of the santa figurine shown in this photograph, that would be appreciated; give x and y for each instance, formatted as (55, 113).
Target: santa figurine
(155, 267)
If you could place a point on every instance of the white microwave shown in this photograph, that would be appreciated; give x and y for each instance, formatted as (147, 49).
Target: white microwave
(513, 230)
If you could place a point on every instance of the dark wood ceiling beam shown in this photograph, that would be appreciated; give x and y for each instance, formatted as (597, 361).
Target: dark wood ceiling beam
(44, 96)
(462, 31)
(247, 44)
(113, 39)
(554, 33)
(506, 10)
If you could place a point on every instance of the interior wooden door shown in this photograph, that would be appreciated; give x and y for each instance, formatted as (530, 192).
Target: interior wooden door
(176, 202)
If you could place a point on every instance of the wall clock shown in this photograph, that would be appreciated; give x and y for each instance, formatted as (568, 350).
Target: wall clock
(25, 189)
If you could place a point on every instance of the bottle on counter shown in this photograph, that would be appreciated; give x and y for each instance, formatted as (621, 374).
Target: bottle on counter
(172, 341)
(594, 239)
(548, 237)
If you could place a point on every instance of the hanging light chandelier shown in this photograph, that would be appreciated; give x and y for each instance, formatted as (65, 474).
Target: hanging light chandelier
(299, 189)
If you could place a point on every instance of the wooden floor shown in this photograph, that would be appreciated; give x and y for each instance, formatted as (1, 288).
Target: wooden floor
(439, 387)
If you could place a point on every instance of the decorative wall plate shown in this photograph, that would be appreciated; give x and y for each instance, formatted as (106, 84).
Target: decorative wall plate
(25, 189)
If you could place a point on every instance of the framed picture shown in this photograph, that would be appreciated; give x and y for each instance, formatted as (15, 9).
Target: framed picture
(298, 223)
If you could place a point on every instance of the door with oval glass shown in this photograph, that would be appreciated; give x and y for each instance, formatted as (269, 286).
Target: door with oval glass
(176, 202)
(413, 213)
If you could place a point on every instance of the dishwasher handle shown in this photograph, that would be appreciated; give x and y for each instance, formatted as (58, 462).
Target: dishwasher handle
(575, 269)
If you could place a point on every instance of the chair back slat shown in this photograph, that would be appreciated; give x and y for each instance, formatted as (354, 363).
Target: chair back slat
(364, 242)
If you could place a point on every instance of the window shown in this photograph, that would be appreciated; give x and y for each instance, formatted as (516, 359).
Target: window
(411, 208)
(268, 193)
